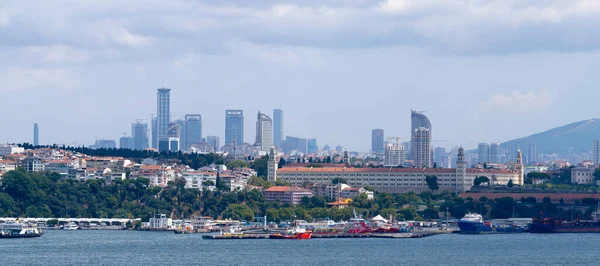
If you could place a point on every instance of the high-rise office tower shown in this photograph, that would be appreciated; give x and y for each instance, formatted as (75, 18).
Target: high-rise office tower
(422, 147)
(531, 153)
(213, 141)
(234, 127)
(154, 133)
(192, 133)
(163, 111)
(139, 131)
(294, 144)
(417, 120)
(394, 155)
(495, 156)
(36, 134)
(126, 143)
(483, 152)
(377, 142)
(264, 132)
(105, 144)
(312, 146)
(439, 154)
(277, 127)
(596, 152)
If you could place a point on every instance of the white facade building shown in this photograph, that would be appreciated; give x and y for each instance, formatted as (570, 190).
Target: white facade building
(264, 132)
(402, 179)
(394, 155)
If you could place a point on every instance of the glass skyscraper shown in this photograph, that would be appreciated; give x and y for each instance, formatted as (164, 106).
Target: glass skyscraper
(163, 112)
(234, 127)
(277, 127)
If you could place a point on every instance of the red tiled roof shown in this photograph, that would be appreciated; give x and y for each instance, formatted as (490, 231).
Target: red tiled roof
(367, 170)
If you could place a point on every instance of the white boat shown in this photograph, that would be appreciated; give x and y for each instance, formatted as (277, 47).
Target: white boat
(70, 226)
(18, 230)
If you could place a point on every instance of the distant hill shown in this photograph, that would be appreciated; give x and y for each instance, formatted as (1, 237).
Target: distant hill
(579, 136)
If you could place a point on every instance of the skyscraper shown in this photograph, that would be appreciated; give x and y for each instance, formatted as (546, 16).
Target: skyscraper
(213, 141)
(264, 132)
(439, 154)
(483, 152)
(418, 120)
(163, 111)
(277, 127)
(531, 154)
(495, 156)
(294, 144)
(312, 146)
(139, 131)
(422, 147)
(377, 146)
(192, 133)
(234, 127)
(596, 152)
(126, 143)
(36, 134)
(154, 133)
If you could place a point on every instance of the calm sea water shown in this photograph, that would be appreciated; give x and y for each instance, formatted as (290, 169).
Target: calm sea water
(166, 248)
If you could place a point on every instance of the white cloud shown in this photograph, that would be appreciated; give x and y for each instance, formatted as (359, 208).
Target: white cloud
(125, 37)
(290, 56)
(518, 102)
(55, 54)
(18, 79)
(184, 64)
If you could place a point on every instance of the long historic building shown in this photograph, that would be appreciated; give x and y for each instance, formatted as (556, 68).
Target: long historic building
(398, 179)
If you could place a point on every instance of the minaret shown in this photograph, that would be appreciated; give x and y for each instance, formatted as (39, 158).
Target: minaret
(272, 165)
(461, 172)
(519, 168)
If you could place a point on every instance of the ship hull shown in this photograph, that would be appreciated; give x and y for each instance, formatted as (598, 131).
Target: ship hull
(294, 236)
(550, 228)
(481, 228)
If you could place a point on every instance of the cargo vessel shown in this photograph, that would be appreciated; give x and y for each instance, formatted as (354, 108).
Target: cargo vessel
(558, 225)
(472, 223)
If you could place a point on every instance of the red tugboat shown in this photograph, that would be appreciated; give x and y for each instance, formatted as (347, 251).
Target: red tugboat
(295, 233)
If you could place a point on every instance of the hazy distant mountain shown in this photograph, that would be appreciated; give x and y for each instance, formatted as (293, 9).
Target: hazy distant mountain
(579, 136)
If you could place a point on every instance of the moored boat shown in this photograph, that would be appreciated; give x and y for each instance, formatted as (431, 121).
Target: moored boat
(19, 230)
(472, 223)
(558, 225)
(295, 233)
(70, 226)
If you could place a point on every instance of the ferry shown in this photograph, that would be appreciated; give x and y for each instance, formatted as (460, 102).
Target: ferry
(557, 225)
(472, 223)
(18, 230)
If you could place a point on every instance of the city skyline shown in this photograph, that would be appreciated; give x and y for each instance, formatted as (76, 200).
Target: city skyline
(348, 61)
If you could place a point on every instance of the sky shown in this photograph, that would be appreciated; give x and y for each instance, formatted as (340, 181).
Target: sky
(483, 71)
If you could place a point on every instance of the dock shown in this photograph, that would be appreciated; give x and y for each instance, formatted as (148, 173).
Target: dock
(374, 235)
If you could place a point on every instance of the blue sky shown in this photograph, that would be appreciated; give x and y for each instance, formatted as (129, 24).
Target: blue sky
(483, 71)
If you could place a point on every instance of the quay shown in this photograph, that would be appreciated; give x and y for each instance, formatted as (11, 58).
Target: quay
(374, 235)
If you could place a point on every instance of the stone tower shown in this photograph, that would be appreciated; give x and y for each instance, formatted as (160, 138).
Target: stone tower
(519, 168)
(272, 165)
(464, 183)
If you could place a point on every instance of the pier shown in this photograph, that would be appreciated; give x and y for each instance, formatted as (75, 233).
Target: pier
(374, 235)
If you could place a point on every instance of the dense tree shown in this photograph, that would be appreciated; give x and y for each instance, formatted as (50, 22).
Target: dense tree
(480, 180)
(260, 165)
(237, 164)
(339, 180)
(510, 183)
(432, 182)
